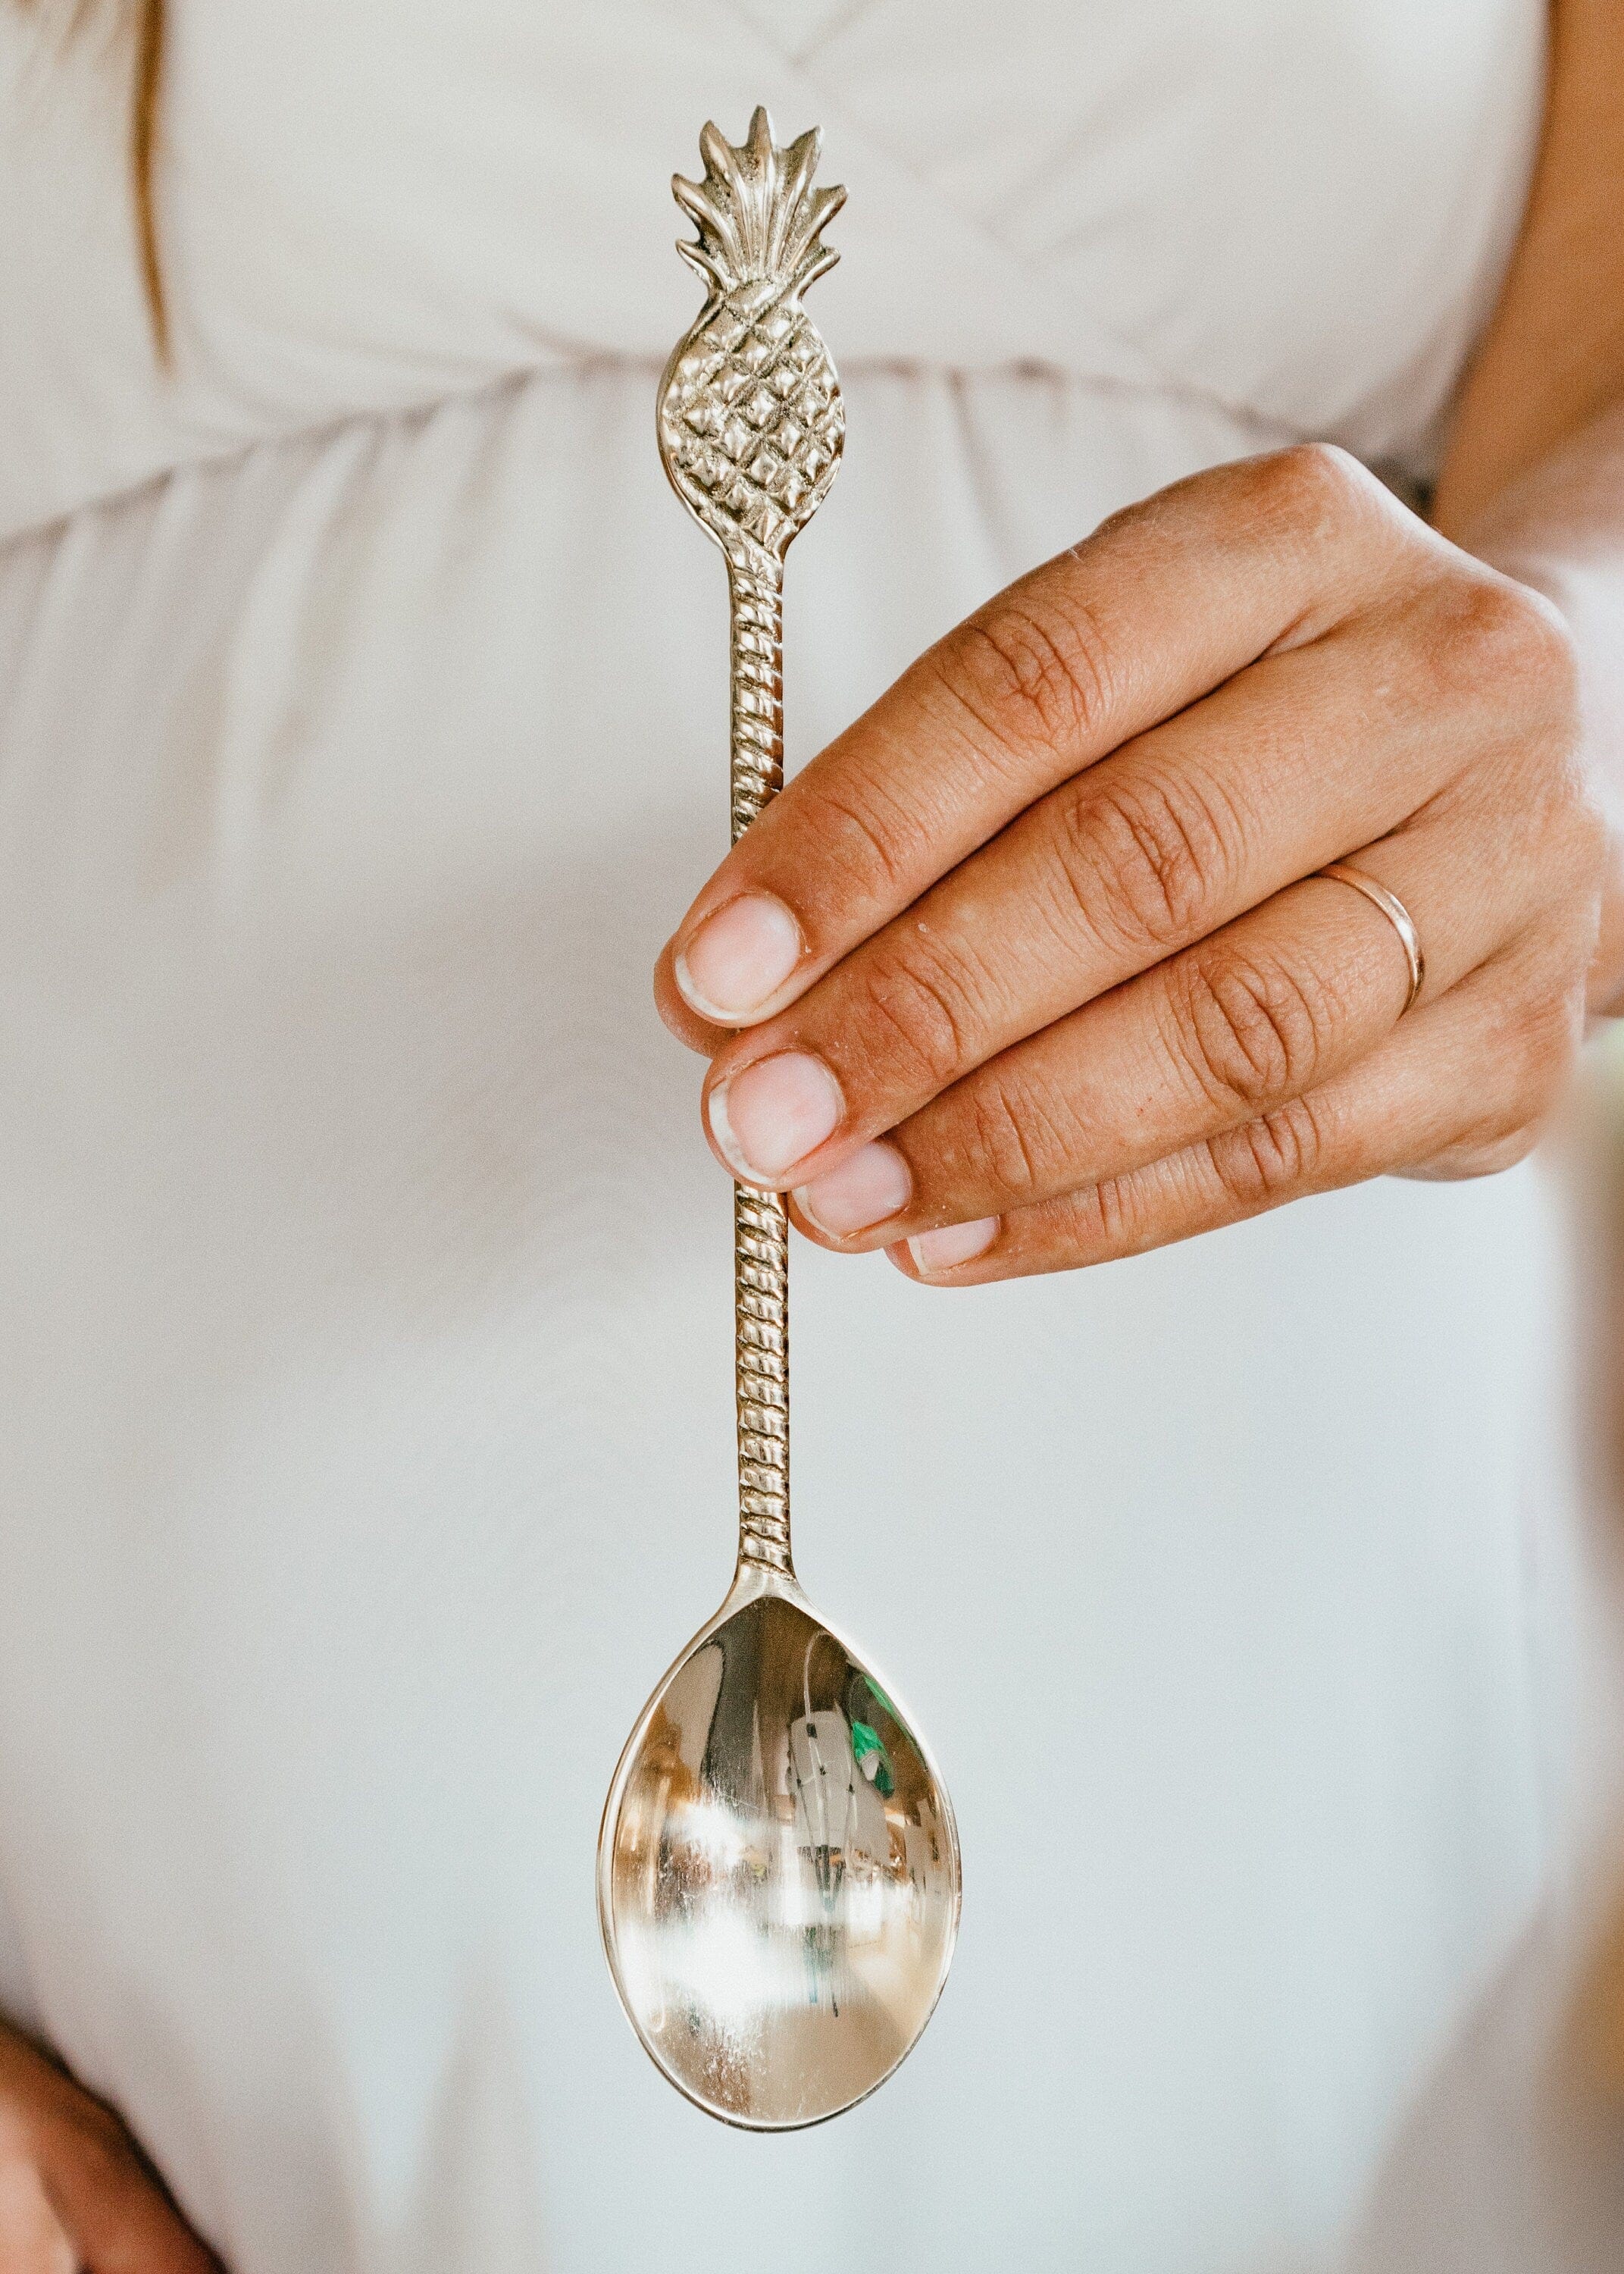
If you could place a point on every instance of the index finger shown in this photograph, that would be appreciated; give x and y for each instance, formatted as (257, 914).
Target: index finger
(1162, 604)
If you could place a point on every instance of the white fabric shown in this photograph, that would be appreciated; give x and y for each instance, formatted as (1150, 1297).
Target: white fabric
(1298, 207)
(363, 1280)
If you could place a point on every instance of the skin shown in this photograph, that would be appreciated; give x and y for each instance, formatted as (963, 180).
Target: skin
(76, 2195)
(1031, 967)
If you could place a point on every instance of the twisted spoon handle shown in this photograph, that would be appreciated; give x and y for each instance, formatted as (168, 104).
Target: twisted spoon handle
(750, 425)
(761, 1229)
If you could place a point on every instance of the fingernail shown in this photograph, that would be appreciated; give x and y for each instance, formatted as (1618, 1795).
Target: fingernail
(739, 958)
(773, 1114)
(955, 1243)
(873, 1184)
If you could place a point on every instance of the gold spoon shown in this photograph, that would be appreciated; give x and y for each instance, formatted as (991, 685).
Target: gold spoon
(778, 1871)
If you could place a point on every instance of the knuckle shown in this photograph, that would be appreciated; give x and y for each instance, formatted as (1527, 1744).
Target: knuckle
(1253, 1029)
(1008, 1140)
(1532, 1046)
(1111, 1213)
(1590, 833)
(919, 1015)
(1153, 853)
(864, 837)
(1544, 1046)
(1269, 1157)
(1551, 648)
(1033, 670)
(1576, 828)
(1505, 638)
(1314, 484)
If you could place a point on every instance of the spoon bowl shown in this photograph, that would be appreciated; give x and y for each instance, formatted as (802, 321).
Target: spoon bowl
(779, 1871)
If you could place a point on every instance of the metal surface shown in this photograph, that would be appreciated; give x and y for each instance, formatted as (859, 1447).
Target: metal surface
(1341, 872)
(778, 1871)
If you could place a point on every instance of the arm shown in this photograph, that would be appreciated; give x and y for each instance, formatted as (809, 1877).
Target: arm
(1533, 480)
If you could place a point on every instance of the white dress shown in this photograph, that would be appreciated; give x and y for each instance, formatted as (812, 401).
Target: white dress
(364, 1330)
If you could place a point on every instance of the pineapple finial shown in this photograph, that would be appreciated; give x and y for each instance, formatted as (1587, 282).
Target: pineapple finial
(750, 419)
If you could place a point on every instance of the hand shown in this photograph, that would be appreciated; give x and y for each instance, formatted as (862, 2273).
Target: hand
(1032, 965)
(75, 2191)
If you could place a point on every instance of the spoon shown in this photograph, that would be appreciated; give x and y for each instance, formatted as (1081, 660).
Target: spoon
(778, 1871)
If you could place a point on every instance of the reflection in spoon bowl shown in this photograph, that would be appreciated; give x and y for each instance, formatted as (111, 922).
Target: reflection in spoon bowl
(778, 1875)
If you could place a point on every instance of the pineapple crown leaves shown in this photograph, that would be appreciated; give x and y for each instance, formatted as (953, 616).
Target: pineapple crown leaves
(759, 219)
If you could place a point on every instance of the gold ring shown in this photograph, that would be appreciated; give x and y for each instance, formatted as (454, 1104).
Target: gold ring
(1396, 914)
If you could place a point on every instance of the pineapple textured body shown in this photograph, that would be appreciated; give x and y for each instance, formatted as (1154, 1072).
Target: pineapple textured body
(751, 422)
(750, 419)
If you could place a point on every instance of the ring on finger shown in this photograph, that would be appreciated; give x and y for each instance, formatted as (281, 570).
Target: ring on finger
(1397, 915)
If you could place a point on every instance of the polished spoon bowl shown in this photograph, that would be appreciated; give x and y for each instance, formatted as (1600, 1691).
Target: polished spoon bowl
(778, 1871)
(779, 1882)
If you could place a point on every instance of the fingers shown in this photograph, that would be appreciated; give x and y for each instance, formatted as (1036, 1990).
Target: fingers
(1272, 1006)
(1267, 1008)
(1075, 659)
(1284, 769)
(1043, 932)
(1397, 1110)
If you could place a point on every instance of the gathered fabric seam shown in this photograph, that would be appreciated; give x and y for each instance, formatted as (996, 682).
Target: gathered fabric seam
(1269, 430)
